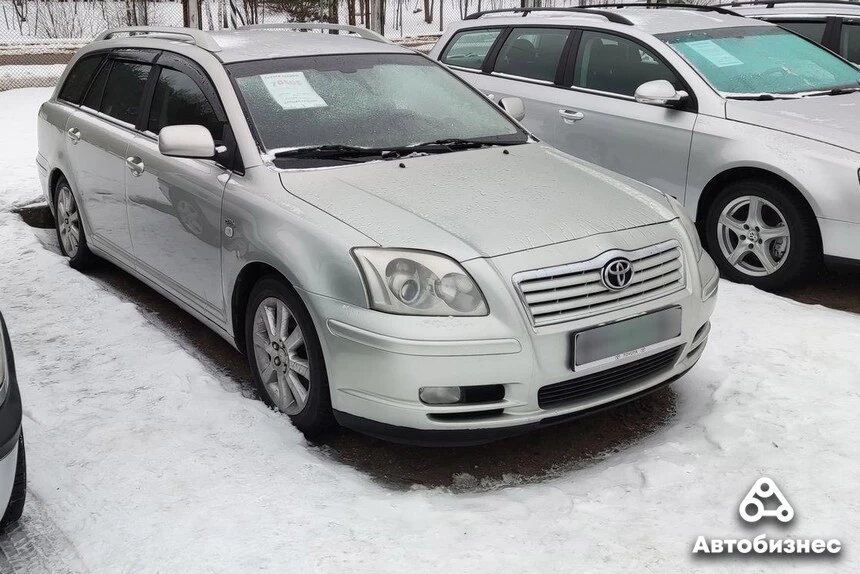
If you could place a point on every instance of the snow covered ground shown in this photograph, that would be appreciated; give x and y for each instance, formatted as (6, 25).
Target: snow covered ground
(143, 459)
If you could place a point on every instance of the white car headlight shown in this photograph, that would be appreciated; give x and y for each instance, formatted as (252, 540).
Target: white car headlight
(408, 282)
(688, 224)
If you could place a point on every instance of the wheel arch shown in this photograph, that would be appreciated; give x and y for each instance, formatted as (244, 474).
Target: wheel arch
(248, 276)
(740, 173)
(53, 179)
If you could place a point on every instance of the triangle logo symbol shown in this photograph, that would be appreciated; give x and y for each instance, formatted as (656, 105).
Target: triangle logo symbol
(752, 507)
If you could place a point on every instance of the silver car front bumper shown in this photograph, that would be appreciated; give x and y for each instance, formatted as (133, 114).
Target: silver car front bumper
(377, 362)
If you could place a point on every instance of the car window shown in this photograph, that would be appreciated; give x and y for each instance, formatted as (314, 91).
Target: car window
(179, 100)
(849, 44)
(124, 89)
(617, 65)
(532, 53)
(79, 78)
(364, 100)
(469, 49)
(93, 99)
(808, 29)
(754, 60)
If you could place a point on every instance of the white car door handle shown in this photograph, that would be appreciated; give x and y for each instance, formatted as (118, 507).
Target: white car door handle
(570, 116)
(74, 135)
(135, 165)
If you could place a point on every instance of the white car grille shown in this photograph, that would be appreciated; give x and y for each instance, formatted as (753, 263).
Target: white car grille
(577, 290)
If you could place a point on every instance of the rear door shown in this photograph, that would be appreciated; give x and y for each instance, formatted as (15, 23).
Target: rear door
(98, 137)
(599, 120)
(522, 62)
(174, 204)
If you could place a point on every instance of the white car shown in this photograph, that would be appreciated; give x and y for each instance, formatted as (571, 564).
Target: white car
(13, 465)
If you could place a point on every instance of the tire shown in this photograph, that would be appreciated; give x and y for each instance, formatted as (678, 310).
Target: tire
(15, 508)
(291, 363)
(784, 234)
(69, 225)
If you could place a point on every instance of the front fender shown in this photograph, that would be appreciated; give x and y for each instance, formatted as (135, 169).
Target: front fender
(825, 175)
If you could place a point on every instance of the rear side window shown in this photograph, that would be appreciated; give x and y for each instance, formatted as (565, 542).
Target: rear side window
(532, 53)
(124, 90)
(808, 29)
(179, 100)
(616, 65)
(849, 44)
(94, 95)
(79, 78)
(469, 49)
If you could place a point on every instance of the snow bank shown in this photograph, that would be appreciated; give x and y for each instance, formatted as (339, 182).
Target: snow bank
(148, 460)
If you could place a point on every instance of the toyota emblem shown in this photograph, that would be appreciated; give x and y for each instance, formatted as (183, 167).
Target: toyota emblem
(617, 274)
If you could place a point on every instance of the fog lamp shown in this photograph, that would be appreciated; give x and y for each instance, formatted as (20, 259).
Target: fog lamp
(439, 395)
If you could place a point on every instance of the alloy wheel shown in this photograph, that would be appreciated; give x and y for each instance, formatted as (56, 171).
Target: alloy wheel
(281, 356)
(68, 221)
(753, 236)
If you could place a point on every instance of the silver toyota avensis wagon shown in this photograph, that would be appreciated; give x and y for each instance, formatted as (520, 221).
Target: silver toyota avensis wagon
(391, 250)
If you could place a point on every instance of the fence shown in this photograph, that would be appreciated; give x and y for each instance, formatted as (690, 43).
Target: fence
(37, 37)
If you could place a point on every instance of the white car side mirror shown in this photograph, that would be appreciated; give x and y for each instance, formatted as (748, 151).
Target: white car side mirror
(514, 107)
(190, 141)
(659, 93)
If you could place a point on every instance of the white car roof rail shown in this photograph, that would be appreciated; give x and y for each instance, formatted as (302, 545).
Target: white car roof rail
(199, 38)
(363, 32)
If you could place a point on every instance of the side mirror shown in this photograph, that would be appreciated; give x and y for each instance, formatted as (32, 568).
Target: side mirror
(186, 141)
(659, 93)
(514, 107)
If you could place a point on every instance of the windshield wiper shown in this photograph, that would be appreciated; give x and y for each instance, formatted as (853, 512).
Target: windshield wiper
(458, 143)
(835, 91)
(763, 97)
(335, 151)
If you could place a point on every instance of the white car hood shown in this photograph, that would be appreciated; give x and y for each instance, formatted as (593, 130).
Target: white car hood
(830, 119)
(480, 203)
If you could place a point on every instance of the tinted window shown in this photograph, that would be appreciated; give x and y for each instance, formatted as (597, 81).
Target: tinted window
(469, 49)
(849, 45)
(178, 100)
(79, 78)
(124, 89)
(93, 99)
(617, 65)
(532, 53)
(812, 30)
(756, 60)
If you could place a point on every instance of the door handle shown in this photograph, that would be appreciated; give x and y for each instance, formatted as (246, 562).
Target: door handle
(570, 116)
(74, 135)
(135, 165)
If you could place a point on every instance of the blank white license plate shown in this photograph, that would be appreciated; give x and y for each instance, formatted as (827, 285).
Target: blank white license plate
(625, 338)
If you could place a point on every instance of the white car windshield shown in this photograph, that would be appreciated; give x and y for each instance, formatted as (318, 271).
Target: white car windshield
(762, 61)
(330, 106)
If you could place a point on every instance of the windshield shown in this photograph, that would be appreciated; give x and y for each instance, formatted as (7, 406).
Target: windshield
(376, 101)
(761, 60)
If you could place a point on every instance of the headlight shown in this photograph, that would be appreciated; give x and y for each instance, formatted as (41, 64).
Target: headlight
(688, 224)
(409, 282)
(4, 369)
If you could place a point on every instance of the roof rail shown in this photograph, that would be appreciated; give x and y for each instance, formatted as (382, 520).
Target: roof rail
(363, 32)
(772, 3)
(199, 38)
(611, 16)
(719, 9)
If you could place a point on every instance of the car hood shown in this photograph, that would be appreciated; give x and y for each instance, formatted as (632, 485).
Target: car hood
(830, 119)
(480, 203)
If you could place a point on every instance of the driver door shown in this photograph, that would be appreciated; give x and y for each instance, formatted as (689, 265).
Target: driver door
(599, 121)
(174, 204)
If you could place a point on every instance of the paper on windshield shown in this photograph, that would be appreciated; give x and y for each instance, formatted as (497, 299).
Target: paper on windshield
(292, 91)
(714, 53)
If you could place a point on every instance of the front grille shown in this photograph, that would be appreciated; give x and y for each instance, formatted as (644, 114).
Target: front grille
(606, 381)
(576, 290)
